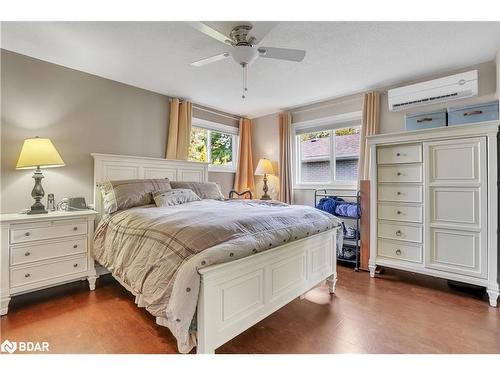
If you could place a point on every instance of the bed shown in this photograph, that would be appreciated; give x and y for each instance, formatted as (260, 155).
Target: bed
(254, 257)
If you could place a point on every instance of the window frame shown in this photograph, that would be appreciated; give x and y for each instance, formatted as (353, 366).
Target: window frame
(210, 126)
(331, 123)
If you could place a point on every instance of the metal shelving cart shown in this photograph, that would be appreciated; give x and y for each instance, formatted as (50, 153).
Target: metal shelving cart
(352, 242)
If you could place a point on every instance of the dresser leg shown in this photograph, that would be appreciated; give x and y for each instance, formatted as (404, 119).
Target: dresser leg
(372, 268)
(4, 305)
(91, 280)
(493, 296)
(331, 281)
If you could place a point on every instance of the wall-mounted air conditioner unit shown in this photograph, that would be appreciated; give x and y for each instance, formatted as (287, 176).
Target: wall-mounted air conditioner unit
(458, 86)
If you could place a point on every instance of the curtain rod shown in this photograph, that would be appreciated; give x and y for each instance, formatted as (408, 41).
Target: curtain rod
(314, 108)
(233, 117)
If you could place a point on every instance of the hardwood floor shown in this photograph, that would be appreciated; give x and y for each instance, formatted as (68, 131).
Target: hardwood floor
(396, 313)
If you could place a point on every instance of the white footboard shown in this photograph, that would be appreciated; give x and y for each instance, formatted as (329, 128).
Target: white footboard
(236, 295)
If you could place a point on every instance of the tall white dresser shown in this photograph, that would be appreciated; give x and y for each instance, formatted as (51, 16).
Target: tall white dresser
(434, 204)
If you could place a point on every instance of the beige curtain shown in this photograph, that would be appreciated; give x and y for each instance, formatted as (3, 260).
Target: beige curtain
(179, 129)
(369, 126)
(285, 164)
(244, 179)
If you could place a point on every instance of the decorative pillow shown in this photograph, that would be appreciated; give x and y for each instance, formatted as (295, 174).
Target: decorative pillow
(174, 197)
(205, 190)
(123, 194)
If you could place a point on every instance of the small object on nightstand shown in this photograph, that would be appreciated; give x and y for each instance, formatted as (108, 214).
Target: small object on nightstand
(51, 204)
(264, 168)
(38, 152)
(72, 204)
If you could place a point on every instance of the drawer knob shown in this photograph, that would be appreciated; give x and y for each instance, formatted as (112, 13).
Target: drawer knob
(398, 252)
(399, 212)
(398, 233)
(398, 154)
(27, 234)
(399, 193)
(27, 275)
(399, 173)
(75, 228)
(75, 265)
(75, 246)
(27, 254)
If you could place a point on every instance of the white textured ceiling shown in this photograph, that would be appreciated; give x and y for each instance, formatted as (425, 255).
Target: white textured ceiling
(342, 57)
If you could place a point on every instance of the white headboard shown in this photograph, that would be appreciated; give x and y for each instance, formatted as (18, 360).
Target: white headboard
(124, 167)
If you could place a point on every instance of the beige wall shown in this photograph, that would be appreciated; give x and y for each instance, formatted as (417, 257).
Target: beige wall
(391, 122)
(498, 72)
(81, 113)
(265, 144)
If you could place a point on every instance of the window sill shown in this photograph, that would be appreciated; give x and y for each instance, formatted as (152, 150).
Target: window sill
(328, 187)
(212, 168)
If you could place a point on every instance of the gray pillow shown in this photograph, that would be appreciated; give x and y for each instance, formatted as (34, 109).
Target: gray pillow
(205, 190)
(123, 194)
(174, 197)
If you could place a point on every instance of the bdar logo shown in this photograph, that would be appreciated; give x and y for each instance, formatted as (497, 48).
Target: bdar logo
(8, 346)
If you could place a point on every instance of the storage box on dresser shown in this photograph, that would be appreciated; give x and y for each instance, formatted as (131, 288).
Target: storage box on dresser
(434, 203)
(40, 251)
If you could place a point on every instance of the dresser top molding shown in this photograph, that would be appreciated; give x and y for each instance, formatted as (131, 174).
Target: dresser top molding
(446, 132)
(10, 218)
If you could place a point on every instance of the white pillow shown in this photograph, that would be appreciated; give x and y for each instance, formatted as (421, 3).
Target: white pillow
(174, 197)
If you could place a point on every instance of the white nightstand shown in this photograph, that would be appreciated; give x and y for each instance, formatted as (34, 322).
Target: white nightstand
(40, 251)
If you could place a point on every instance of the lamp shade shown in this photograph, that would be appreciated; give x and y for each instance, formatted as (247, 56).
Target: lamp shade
(38, 152)
(264, 167)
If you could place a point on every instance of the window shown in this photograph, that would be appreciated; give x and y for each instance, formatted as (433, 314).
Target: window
(214, 143)
(326, 155)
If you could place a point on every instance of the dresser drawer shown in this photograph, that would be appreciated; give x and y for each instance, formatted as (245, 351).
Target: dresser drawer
(48, 229)
(400, 193)
(400, 173)
(399, 154)
(399, 231)
(399, 212)
(399, 250)
(40, 251)
(45, 272)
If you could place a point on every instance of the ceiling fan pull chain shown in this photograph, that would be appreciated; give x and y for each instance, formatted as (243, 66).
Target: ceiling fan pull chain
(246, 77)
(244, 66)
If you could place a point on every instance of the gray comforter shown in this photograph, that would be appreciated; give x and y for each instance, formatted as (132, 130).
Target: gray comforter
(156, 251)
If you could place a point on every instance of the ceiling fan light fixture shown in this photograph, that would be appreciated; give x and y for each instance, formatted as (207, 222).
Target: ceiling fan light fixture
(244, 54)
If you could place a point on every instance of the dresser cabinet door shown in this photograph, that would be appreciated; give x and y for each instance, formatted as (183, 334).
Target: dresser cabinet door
(456, 218)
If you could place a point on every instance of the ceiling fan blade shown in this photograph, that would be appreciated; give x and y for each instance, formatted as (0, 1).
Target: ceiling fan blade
(282, 53)
(207, 30)
(211, 59)
(261, 29)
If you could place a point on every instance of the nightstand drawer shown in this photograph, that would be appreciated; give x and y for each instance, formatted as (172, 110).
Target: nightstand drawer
(41, 251)
(48, 229)
(45, 272)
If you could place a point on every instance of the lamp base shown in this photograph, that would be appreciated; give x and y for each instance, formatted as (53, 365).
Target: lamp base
(37, 193)
(265, 197)
(37, 210)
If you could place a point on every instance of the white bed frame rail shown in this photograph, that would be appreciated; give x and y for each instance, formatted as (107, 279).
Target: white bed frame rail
(236, 295)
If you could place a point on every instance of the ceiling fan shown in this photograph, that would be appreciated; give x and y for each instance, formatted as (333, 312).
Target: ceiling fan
(243, 45)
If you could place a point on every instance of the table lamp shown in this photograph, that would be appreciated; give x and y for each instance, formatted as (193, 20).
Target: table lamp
(264, 167)
(38, 152)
